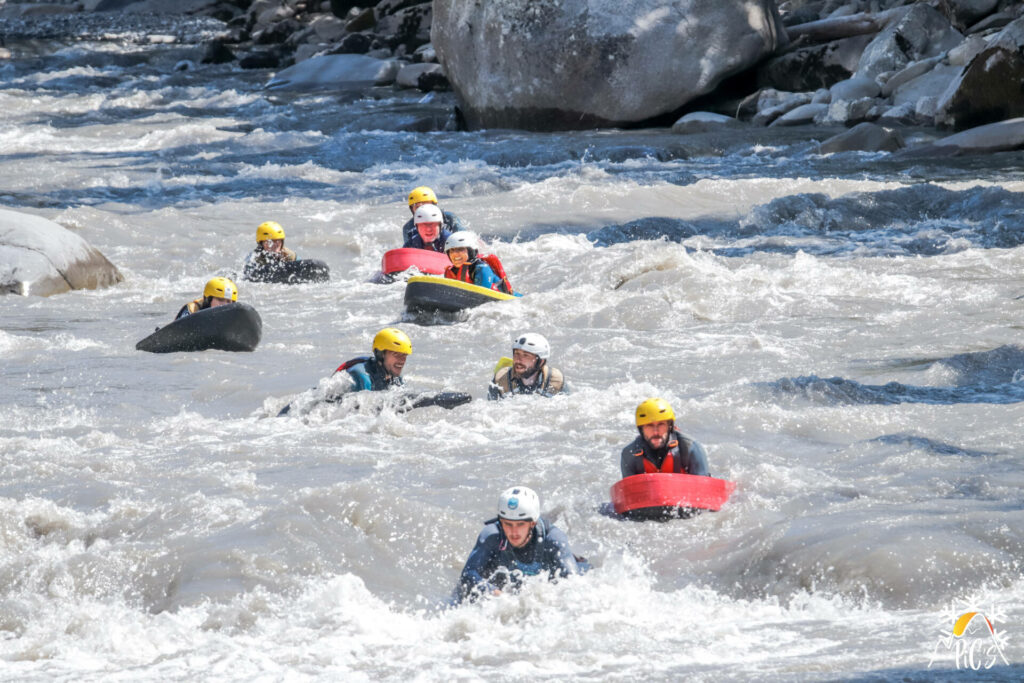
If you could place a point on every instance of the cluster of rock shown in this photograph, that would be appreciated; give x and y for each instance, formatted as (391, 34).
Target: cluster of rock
(954, 64)
(272, 34)
(280, 33)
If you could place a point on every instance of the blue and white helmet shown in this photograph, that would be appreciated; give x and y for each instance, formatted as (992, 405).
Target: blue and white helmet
(519, 504)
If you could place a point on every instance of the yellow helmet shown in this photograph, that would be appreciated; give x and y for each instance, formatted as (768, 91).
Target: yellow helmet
(392, 339)
(222, 288)
(422, 194)
(654, 410)
(269, 230)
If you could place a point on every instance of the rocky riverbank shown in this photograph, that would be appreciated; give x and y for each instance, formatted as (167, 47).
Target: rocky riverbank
(875, 66)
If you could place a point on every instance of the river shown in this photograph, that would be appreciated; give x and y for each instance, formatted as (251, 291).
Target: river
(843, 334)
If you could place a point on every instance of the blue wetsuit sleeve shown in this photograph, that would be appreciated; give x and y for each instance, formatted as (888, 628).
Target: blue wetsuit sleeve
(698, 460)
(563, 562)
(360, 378)
(485, 277)
(480, 562)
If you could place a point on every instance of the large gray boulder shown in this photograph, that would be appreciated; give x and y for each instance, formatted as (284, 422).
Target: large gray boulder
(921, 32)
(40, 258)
(571, 64)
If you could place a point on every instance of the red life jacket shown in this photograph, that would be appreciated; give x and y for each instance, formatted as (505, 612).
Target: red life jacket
(668, 465)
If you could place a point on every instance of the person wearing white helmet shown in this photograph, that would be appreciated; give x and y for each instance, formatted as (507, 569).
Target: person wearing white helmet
(463, 250)
(424, 196)
(430, 231)
(529, 372)
(515, 544)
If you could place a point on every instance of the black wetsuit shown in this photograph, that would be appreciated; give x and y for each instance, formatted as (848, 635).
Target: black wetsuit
(495, 565)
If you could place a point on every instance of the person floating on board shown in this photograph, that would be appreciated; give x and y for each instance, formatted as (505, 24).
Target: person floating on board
(383, 370)
(527, 372)
(659, 447)
(517, 543)
(421, 196)
(217, 292)
(429, 231)
(269, 252)
(469, 266)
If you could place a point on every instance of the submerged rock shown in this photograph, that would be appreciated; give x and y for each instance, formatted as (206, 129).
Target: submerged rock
(40, 258)
(586, 63)
(864, 137)
(336, 72)
(703, 122)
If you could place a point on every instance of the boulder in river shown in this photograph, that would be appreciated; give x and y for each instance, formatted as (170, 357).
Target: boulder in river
(585, 63)
(40, 258)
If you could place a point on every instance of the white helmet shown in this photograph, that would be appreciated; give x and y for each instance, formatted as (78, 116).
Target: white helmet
(428, 213)
(463, 239)
(531, 342)
(519, 504)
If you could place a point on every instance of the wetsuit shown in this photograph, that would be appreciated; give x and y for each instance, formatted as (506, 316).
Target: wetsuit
(494, 564)
(548, 382)
(478, 273)
(369, 375)
(688, 457)
(450, 223)
(416, 242)
(193, 307)
(259, 262)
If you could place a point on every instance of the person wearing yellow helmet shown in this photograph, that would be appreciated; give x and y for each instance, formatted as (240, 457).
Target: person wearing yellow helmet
(659, 447)
(269, 253)
(382, 370)
(217, 292)
(424, 196)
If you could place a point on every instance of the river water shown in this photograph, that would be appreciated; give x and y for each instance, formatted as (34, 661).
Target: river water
(843, 334)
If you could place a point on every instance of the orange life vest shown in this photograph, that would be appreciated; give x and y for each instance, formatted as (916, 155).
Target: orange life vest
(465, 273)
(668, 465)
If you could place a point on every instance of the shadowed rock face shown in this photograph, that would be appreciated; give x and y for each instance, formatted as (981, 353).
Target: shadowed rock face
(565, 64)
(40, 258)
(990, 89)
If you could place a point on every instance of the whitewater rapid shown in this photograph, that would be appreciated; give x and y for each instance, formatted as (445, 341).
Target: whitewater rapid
(843, 334)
